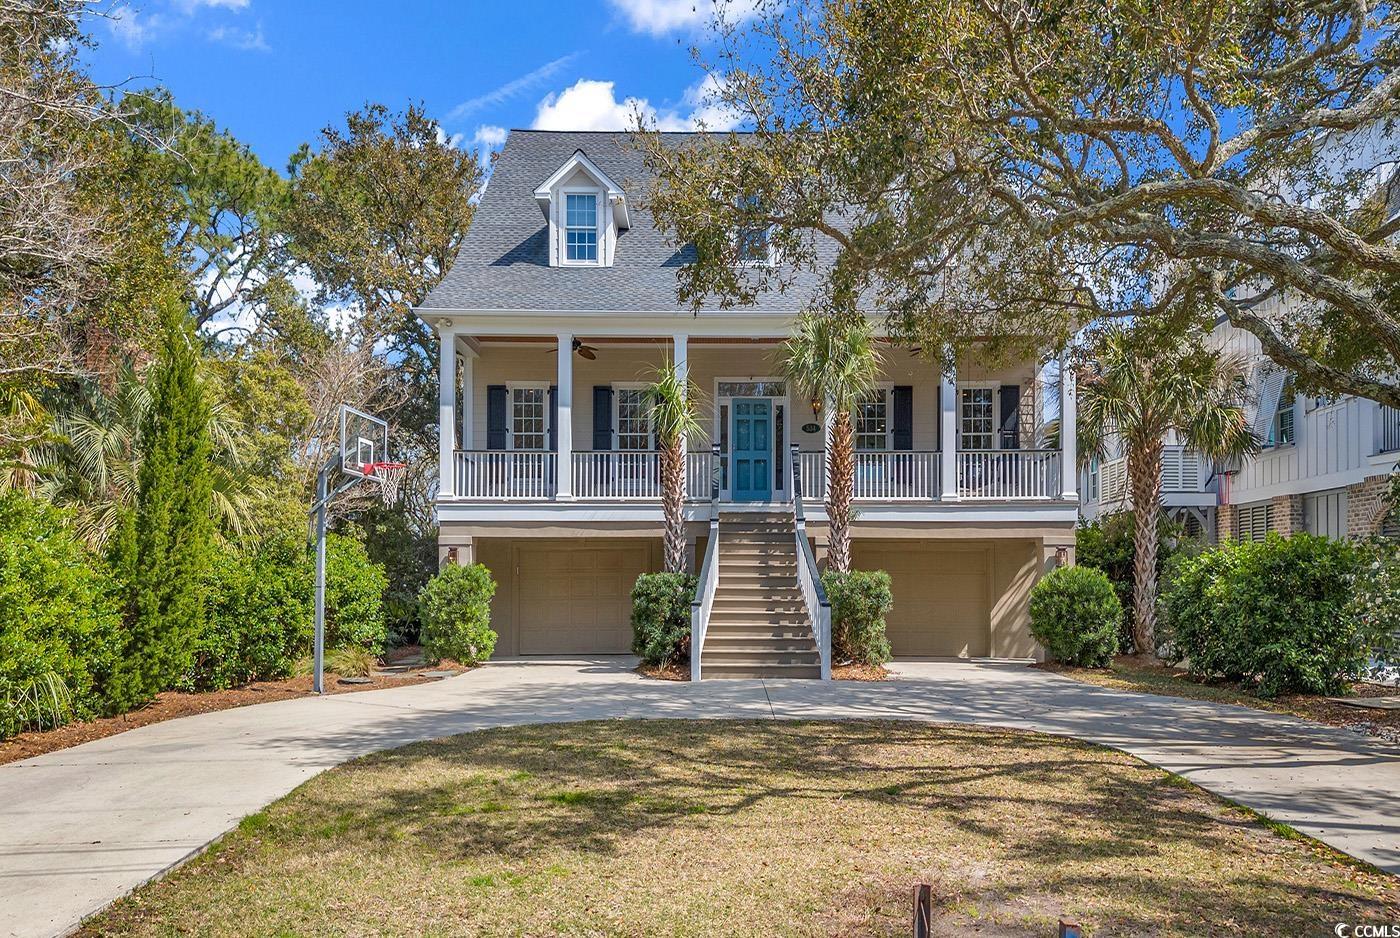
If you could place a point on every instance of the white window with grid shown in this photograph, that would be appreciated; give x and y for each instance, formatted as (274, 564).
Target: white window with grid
(977, 420)
(633, 419)
(872, 422)
(581, 227)
(529, 418)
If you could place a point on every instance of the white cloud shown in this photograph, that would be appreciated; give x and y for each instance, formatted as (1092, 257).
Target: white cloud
(246, 40)
(593, 105)
(136, 29)
(190, 6)
(510, 89)
(659, 17)
(489, 137)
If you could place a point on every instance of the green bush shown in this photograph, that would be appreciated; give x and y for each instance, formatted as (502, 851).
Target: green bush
(1375, 604)
(1107, 544)
(59, 627)
(1277, 614)
(355, 587)
(454, 610)
(661, 617)
(409, 557)
(1076, 615)
(860, 600)
(260, 607)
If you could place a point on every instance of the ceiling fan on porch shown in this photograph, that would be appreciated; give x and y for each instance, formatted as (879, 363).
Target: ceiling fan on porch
(584, 351)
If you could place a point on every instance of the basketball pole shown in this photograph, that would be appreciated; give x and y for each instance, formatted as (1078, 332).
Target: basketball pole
(319, 639)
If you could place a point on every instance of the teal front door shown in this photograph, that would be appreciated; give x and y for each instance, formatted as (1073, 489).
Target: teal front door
(753, 450)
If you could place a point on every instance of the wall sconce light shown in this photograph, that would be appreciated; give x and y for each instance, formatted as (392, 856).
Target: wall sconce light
(1061, 556)
(816, 407)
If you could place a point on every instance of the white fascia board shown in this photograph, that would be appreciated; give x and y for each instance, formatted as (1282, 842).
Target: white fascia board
(580, 511)
(721, 324)
(580, 160)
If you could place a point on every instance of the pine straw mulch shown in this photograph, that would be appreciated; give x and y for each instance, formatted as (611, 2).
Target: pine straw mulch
(175, 704)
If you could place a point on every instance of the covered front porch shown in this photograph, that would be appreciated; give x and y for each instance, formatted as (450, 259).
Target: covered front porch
(522, 423)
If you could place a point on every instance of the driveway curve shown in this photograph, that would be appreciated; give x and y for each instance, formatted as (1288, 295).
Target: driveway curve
(81, 827)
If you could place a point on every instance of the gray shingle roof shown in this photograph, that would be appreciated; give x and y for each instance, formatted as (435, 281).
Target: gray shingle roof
(504, 259)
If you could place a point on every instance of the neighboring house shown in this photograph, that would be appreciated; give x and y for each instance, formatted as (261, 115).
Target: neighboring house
(561, 305)
(1324, 467)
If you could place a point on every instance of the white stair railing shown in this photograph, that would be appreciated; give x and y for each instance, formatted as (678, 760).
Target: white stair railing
(698, 470)
(814, 473)
(808, 577)
(704, 601)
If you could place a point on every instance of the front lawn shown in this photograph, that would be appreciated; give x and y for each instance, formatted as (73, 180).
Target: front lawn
(759, 828)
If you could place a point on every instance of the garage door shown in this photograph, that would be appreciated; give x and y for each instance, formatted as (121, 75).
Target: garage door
(576, 599)
(941, 598)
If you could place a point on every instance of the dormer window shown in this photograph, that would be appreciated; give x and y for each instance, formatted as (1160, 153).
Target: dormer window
(581, 227)
(585, 212)
(752, 244)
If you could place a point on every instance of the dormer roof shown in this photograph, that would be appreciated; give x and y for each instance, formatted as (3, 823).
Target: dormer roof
(579, 161)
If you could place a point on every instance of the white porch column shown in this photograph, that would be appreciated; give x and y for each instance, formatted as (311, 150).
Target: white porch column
(1069, 431)
(680, 349)
(564, 432)
(948, 434)
(447, 402)
(468, 396)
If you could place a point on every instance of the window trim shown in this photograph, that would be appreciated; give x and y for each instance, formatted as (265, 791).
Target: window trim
(511, 388)
(599, 226)
(1290, 395)
(887, 389)
(618, 386)
(995, 432)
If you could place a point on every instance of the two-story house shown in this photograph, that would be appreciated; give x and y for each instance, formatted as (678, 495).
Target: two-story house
(1324, 465)
(562, 305)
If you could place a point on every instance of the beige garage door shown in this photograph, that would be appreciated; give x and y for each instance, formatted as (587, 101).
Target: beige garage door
(941, 597)
(576, 599)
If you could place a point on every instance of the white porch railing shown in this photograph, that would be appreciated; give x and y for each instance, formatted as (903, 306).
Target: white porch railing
(698, 468)
(897, 476)
(621, 474)
(502, 474)
(813, 465)
(1008, 474)
(1390, 429)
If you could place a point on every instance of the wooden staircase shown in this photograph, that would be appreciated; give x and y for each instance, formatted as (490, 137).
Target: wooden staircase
(759, 626)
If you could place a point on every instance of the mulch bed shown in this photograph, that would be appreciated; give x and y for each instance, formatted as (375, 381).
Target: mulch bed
(174, 704)
(669, 672)
(859, 672)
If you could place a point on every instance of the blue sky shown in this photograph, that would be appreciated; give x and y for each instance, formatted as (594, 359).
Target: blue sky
(274, 72)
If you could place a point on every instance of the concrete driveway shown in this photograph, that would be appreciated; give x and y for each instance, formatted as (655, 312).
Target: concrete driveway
(80, 828)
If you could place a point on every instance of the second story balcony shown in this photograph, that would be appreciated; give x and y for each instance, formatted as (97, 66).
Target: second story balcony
(522, 411)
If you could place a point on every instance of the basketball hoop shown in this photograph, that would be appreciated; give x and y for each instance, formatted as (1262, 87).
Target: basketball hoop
(389, 477)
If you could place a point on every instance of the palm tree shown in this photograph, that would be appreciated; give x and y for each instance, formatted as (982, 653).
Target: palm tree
(92, 466)
(673, 412)
(1140, 385)
(833, 358)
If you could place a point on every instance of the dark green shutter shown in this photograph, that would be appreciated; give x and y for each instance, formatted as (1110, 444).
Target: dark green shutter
(903, 417)
(1010, 416)
(602, 417)
(496, 416)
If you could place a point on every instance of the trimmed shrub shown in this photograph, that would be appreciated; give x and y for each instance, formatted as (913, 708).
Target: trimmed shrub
(1076, 615)
(661, 617)
(454, 614)
(1276, 614)
(260, 608)
(860, 600)
(59, 627)
(355, 587)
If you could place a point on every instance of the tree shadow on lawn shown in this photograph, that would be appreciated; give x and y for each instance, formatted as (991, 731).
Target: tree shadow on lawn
(1050, 818)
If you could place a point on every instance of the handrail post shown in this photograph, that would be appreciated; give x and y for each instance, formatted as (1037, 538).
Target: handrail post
(818, 608)
(703, 600)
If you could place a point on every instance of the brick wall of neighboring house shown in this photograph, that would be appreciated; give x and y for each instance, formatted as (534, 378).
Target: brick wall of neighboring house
(1286, 515)
(1366, 506)
(1225, 523)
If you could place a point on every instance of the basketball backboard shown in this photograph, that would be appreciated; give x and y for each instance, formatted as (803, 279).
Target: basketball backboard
(364, 440)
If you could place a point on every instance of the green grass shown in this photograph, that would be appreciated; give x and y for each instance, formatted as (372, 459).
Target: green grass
(765, 828)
